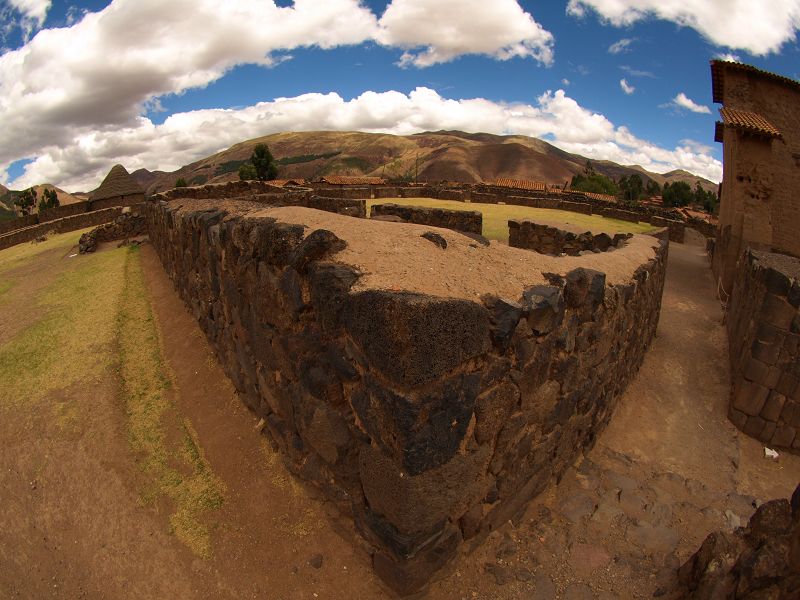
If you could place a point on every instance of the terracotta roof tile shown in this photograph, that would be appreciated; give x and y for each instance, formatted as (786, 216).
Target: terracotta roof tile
(749, 121)
(718, 77)
(520, 184)
(347, 180)
(283, 182)
(604, 197)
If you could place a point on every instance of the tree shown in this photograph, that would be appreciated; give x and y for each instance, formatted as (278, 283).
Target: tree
(180, 182)
(652, 189)
(708, 200)
(677, 194)
(247, 172)
(592, 182)
(49, 200)
(264, 163)
(25, 201)
(631, 188)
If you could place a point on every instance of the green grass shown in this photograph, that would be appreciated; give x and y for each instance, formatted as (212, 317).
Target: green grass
(71, 342)
(496, 216)
(171, 459)
(15, 256)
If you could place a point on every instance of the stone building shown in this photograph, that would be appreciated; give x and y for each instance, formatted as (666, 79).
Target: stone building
(760, 131)
(117, 189)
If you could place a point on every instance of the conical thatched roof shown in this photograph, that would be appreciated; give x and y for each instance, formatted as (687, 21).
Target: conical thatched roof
(118, 182)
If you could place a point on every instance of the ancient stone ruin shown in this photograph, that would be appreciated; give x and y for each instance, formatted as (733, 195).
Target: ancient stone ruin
(429, 384)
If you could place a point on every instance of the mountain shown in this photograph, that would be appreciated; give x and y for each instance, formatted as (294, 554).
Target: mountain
(7, 196)
(427, 157)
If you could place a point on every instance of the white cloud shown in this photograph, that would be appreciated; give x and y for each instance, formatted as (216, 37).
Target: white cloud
(186, 137)
(35, 10)
(622, 46)
(757, 26)
(638, 72)
(728, 56)
(450, 28)
(106, 69)
(683, 101)
(626, 87)
(565, 82)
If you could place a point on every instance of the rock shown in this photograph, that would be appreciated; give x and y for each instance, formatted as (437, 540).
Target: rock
(524, 574)
(658, 540)
(316, 561)
(577, 507)
(586, 558)
(319, 244)
(507, 547)
(436, 239)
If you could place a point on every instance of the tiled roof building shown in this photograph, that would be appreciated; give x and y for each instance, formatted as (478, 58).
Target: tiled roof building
(760, 132)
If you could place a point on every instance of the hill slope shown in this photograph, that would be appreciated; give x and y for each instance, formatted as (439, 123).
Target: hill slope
(426, 157)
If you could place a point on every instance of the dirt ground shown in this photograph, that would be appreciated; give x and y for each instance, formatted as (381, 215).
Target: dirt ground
(669, 470)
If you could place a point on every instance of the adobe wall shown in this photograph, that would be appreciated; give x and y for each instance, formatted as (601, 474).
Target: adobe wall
(470, 221)
(764, 340)
(431, 409)
(64, 225)
(546, 239)
(760, 206)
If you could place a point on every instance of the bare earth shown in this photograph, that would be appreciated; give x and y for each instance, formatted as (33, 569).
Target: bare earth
(669, 469)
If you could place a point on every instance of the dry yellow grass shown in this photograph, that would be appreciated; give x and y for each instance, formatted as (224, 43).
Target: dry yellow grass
(496, 216)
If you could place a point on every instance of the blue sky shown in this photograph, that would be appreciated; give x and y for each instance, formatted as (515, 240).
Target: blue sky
(155, 84)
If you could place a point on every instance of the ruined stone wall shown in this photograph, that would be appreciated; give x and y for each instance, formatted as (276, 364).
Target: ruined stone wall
(18, 223)
(546, 239)
(127, 225)
(126, 200)
(764, 341)
(677, 229)
(232, 189)
(64, 225)
(621, 215)
(67, 210)
(431, 419)
(470, 221)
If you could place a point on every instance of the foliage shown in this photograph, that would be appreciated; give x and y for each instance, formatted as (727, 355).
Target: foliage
(304, 158)
(264, 163)
(232, 166)
(6, 215)
(25, 201)
(198, 180)
(708, 200)
(677, 194)
(631, 188)
(652, 189)
(180, 182)
(593, 182)
(247, 172)
(49, 200)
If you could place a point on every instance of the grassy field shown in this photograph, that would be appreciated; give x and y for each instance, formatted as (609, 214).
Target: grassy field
(496, 216)
(92, 323)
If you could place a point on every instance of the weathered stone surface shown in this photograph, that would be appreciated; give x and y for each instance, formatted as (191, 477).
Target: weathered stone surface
(430, 419)
(459, 220)
(434, 237)
(126, 225)
(759, 561)
(547, 239)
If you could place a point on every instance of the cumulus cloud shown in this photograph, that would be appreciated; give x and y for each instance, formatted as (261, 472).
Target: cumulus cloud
(728, 56)
(682, 101)
(122, 59)
(189, 136)
(446, 29)
(32, 15)
(757, 26)
(626, 87)
(622, 46)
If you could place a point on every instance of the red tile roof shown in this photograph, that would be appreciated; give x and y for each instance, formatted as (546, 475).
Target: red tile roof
(604, 197)
(283, 182)
(347, 180)
(750, 122)
(520, 184)
(718, 77)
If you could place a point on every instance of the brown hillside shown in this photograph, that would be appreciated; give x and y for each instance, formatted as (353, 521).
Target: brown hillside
(429, 157)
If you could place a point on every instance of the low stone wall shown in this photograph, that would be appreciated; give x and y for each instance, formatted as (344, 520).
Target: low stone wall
(709, 230)
(127, 225)
(546, 239)
(677, 229)
(343, 206)
(470, 221)
(232, 189)
(127, 200)
(67, 210)
(429, 416)
(353, 193)
(64, 225)
(764, 340)
(761, 560)
(620, 215)
(18, 223)
(576, 207)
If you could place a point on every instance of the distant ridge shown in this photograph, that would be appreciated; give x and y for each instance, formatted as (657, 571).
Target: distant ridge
(453, 156)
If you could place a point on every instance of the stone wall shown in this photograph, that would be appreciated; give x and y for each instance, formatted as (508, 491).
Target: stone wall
(430, 418)
(232, 189)
(621, 215)
(546, 239)
(677, 229)
(470, 221)
(127, 225)
(764, 341)
(18, 223)
(761, 560)
(64, 225)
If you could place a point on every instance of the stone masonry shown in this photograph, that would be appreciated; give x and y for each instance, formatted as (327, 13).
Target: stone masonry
(469, 221)
(547, 239)
(764, 333)
(429, 418)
